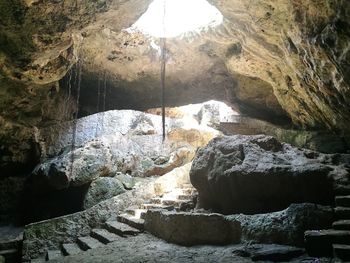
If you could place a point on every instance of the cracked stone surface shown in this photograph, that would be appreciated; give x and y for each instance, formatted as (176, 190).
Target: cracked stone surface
(146, 248)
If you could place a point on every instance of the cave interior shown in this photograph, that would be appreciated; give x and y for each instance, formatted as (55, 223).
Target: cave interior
(182, 130)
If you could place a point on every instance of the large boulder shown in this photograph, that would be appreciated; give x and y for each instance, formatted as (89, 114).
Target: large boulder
(60, 137)
(192, 228)
(129, 142)
(139, 156)
(102, 189)
(284, 227)
(255, 174)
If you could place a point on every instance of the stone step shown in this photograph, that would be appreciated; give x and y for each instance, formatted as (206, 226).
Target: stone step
(189, 191)
(10, 255)
(342, 251)
(104, 236)
(185, 197)
(185, 205)
(156, 200)
(86, 243)
(341, 225)
(136, 212)
(132, 221)
(319, 243)
(342, 200)
(121, 228)
(169, 202)
(342, 212)
(342, 189)
(157, 206)
(69, 249)
(53, 254)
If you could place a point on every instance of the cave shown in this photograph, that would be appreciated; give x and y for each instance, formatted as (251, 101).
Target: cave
(174, 130)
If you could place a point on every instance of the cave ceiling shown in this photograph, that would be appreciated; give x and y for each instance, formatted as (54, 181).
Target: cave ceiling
(275, 60)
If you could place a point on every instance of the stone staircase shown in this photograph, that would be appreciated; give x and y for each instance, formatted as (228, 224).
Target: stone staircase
(129, 223)
(334, 242)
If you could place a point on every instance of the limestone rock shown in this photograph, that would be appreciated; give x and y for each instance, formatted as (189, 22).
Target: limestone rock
(138, 156)
(175, 178)
(210, 113)
(192, 229)
(102, 189)
(126, 179)
(256, 174)
(60, 137)
(116, 142)
(18, 151)
(275, 61)
(269, 252)
(77, 167)
(320, 141)
(51, 233)
(284, 227)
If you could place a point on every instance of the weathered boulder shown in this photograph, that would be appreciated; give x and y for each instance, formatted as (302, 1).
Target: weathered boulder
(60, 137)
(126, 179)
(50, 234)
(128, 142)
(256, 174)
(57, 138)
(320, 141)
(139, 156)
(102, 189)
(192, 228)
(284, 227)
(76, 167)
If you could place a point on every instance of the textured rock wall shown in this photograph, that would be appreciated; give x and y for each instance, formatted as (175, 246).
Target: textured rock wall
(301, 49)
(273, 60)
(257, 174)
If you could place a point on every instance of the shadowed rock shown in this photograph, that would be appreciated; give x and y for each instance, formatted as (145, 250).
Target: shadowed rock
(257, 174)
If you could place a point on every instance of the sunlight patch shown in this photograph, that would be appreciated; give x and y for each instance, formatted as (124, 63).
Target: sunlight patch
(172, 18)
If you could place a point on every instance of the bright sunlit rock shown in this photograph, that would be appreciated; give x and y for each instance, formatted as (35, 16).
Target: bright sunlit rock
(172, 18)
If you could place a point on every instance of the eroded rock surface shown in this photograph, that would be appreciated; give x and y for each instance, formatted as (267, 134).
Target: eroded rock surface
(273, 60)
(191, 229)
(285, 227)
(117, 141)
(102, 189)
(120, 145)
(254, 174)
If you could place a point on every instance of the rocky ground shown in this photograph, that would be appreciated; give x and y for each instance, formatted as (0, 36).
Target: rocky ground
(147, 248)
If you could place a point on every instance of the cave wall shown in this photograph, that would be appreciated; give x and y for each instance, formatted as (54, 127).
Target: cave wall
(300, 48)
(280, 61)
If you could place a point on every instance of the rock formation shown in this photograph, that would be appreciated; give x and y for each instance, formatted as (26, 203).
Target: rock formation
(257, 174)
(66, 66)
(275, 60)
(97, 157)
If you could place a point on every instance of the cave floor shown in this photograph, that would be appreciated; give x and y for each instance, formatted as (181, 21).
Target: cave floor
(147, 248)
